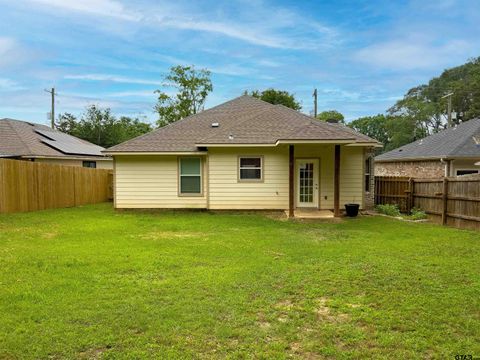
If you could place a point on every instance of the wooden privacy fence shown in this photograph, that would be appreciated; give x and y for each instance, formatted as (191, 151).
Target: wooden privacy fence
(450, 201)
(392, 190)
(30, 186)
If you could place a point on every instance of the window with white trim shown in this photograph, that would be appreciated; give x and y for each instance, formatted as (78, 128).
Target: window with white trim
(250, 168)
(368, 170)
(466, 172)
(89, 164)
(190, 176)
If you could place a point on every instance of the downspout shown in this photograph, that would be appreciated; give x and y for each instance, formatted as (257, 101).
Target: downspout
(447, 166)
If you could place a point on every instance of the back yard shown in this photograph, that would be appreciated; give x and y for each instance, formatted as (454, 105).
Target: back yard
(90, 282)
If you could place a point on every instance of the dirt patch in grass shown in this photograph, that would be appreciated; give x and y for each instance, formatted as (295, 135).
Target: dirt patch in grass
(325, 313)
(156, 235)
(94, 353)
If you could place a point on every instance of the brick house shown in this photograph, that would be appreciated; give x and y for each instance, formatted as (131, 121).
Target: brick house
(451, 152)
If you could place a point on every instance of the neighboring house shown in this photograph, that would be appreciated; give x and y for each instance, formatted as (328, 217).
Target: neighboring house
(451, 152)
(29, 141)
(244, 154)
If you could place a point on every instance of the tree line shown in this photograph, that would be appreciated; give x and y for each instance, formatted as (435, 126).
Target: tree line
(421, 112)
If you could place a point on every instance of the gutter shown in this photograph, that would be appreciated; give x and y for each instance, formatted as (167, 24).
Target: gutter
(113, 153)
(93, 157)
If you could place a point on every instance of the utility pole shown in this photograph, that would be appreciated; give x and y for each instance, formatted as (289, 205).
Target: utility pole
(52, 113)
(449, 108)
(315, 97)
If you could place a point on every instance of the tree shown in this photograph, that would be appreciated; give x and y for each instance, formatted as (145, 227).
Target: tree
(424, 107)
(193, 87)
(66, 123)
(276, 97)
(331, 115)
(98, 126)
(402, 130)
(374, 126)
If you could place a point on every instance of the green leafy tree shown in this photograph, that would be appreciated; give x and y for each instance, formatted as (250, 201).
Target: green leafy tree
(423, 109)
(276, 97)
(331, 115)
(374, 126)
(402, 130)
(193, 87)
(66, 123)
(98, 126)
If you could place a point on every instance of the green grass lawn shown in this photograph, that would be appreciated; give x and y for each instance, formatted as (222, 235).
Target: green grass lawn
(94, 283)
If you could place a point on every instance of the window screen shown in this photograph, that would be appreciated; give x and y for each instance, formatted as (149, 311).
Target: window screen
(250, 168)
(466, 172)
(90, 164)
(368, 169)
(190, 176)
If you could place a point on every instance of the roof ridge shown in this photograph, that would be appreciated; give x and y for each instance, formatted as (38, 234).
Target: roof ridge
(246, 118)
(175, 122)
(313, 121)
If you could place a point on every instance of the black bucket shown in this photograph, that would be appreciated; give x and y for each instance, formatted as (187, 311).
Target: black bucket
(352, 209)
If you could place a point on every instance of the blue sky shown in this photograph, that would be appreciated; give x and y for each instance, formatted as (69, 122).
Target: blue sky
(361, 55)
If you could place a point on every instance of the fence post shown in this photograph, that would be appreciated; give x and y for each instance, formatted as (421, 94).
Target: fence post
(410, 201)
(444, 201)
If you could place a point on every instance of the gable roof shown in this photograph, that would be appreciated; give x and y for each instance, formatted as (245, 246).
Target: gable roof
(455, 142)
(243, 120)
(21, 138)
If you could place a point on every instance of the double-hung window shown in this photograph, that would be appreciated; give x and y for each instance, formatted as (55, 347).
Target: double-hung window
(250, 168)
(89, 164)
(368, 174)
(190, 176)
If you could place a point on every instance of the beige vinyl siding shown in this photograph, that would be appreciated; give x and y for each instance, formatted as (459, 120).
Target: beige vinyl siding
(147, 181)
(152, 182)
(227, 192)
(351, 172)
(352, 175)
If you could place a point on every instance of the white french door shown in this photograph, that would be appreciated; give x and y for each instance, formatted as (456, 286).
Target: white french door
(307, 182)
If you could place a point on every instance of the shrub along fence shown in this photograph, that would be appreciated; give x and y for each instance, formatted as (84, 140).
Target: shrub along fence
(450, 201)
(30, 186)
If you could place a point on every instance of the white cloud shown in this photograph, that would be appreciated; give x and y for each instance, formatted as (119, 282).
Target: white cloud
(113, 78)
(127, 94)
(411, 54)
(273, 27)
(11, 53)
(109, 8)
(9, 85)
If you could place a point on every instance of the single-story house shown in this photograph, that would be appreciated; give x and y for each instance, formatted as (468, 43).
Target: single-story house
(244, 154)
(451, 152)
(24, 140)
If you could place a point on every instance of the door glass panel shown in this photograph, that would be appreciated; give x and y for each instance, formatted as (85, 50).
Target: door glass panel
(306, 183)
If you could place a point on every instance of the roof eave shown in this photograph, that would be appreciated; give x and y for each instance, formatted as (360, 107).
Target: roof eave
(68, 157)
(120, 152)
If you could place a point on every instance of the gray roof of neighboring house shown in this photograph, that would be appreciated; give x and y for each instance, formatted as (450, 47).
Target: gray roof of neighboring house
(461, 141)
(21, 138)
(243, 120)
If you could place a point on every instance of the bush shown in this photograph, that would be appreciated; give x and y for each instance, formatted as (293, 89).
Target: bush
(388, 209)
(417, 214)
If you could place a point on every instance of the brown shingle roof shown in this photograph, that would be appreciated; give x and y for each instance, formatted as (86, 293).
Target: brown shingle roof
(21, 138)
(244, 120)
